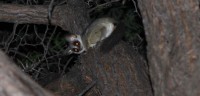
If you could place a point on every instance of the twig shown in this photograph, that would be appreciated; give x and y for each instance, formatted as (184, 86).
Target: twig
(136, 10)
(50, 9)
(11, 37)
(101, 5)
(87, 88)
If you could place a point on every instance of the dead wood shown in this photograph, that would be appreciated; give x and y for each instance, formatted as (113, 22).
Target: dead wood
(13, 82)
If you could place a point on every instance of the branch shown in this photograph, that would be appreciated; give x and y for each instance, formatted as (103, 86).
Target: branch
(23, 14)
(14, 82)
(71, 17)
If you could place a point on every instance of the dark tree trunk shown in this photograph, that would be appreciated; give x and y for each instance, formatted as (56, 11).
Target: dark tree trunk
(120, 72)
(173, 37)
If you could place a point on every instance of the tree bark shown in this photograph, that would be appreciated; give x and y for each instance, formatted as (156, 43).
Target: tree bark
(74, 18)
(173, 37)
(13, 82)
(120, 72)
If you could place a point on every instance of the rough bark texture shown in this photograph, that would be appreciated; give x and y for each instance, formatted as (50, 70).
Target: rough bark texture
(74, 18)
(13, 82)
(173, 37)
(120, 72)
(71, 84)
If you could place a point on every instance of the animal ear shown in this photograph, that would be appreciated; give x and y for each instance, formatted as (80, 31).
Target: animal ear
(99, 30)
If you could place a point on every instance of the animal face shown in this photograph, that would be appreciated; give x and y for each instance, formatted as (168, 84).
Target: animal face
(75, 44)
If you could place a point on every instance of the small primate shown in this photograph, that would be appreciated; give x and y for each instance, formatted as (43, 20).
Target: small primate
(95, 33)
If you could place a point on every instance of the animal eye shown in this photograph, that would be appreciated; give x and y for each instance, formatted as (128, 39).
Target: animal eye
(76, 43)
(75, 49)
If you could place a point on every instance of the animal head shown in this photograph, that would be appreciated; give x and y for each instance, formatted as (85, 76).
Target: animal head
(95, 33)
(75, 44)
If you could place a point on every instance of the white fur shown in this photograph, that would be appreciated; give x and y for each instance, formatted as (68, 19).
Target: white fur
(109, 29)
